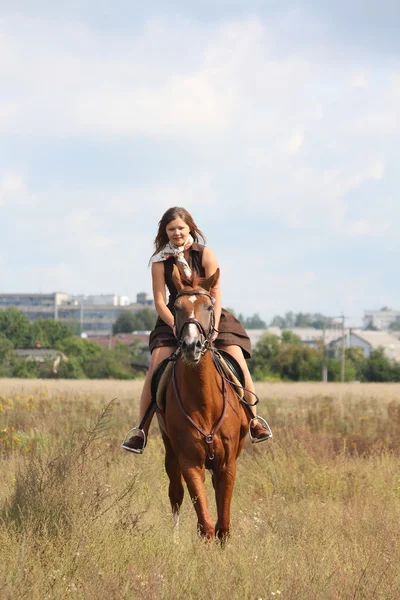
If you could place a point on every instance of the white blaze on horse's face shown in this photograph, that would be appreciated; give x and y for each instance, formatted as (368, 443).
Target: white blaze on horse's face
(192, 332)
(193, 316)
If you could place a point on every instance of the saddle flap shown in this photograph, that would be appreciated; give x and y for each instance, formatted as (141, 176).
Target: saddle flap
(233, 371)
(159, 382)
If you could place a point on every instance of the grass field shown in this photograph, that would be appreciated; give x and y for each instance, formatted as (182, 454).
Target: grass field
(316, 511)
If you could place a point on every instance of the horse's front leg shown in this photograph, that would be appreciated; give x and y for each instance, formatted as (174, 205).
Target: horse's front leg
(194, 476)
(224, 480)
(176, 490)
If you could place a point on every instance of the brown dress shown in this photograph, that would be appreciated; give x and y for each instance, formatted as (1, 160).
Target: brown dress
(231, 331)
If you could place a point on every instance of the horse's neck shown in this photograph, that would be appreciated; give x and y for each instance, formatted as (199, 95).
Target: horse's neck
(202, 379)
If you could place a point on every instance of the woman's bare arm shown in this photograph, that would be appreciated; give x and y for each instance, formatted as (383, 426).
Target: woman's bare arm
(159, 293)
(210, 264)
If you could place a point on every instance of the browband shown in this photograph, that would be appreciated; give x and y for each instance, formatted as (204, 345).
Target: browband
(193, 293)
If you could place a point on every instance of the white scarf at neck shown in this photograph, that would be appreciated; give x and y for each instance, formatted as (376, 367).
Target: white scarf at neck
(178, 251)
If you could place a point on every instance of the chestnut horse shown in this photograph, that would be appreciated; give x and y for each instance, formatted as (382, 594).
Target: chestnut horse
(204, 424)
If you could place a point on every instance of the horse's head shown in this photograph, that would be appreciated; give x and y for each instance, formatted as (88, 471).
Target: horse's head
(194, 314)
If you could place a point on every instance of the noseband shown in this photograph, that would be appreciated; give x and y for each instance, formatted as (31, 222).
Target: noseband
(192, 321)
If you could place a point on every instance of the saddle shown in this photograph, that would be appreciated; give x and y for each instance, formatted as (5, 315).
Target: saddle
(163, 372)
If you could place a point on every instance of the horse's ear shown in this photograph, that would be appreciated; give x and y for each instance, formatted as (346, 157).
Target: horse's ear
(176, 278)
(211, 281)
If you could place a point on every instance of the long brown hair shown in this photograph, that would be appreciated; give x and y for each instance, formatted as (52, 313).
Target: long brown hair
(176, 212)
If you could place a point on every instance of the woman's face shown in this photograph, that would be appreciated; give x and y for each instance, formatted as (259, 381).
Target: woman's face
(177, 232)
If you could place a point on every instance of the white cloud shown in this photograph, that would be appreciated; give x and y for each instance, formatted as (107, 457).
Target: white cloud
(377, 171)
(295, 143)
(233, 127)
(79, 218)
(309, 276)
(13, 192)
(360, 80)
(364, 227)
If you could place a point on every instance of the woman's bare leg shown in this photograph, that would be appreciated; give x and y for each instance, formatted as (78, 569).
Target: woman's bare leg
(136, 443)
(259, 431)
(237, 353)
(158, 355)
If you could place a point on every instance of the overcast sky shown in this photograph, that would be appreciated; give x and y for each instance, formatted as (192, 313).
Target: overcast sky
(276, 124)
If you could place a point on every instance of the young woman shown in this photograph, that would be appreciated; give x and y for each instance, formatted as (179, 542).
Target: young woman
(177, 242)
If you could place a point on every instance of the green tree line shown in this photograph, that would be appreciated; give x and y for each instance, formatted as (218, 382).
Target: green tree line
(85, 359)
(291, 319)
(289, 360)
(273, 358)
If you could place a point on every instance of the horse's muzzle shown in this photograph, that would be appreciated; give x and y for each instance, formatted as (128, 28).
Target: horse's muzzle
(191, 350)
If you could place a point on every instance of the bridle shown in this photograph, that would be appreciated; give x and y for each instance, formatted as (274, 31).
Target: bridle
(205, 344)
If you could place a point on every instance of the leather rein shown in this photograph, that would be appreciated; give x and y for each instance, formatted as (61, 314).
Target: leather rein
(206, 345)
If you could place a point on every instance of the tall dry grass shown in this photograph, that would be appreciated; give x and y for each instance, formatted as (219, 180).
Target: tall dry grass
(316, 511)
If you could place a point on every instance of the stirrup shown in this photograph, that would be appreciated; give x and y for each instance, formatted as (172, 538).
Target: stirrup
(267, 436)
(128, 436)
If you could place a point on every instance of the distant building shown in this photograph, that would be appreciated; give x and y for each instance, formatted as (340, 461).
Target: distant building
(309, 336)
(35, 306)
(94, 315)
(142, 338)
(42, 356)
(101, 300)
(145, 299)
(95, 320)
(381, 319)
(369, 341)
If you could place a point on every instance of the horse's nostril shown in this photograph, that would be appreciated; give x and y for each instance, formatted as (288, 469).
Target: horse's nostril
(198, 344)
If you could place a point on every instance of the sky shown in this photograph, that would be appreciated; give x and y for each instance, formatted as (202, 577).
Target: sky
(276, 124)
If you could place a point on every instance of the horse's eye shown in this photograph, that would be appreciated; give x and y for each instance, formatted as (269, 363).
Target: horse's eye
(209, 308)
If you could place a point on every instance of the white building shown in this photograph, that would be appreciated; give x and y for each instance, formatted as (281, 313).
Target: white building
(102, 300)
(309, 336)
(370, 340)
(35, 306)
(381, 319)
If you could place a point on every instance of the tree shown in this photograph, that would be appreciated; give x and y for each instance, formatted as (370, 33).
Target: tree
(379, 367)
(395, 326)
(316, 320)
(302, 320)
(265, 350)
(15, 326)
(254, 322)
(290, 319)
(288, 337)
(370, 327)
(82, 349)
(128, 322)
(278, 321)
(47, 332)
(6, 352)
(355, 356)
(319, 321)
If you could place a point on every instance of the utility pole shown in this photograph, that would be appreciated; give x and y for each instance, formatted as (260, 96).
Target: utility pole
(324, 369)
(343, 356)
(81, 317)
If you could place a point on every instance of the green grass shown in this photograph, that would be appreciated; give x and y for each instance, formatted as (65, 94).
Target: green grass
(315, 514)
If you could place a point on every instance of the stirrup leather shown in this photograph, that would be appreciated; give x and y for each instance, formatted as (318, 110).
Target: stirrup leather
(267, 436)
(128, 436)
